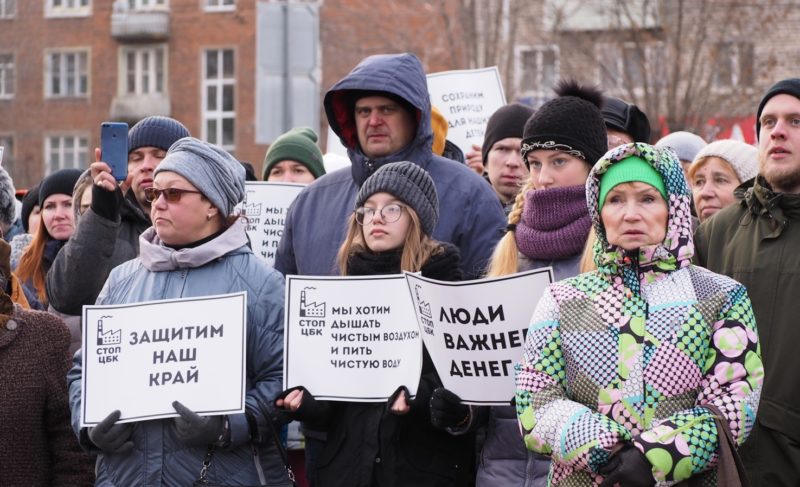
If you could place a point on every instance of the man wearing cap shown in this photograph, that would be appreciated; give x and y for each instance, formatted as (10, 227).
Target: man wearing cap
(381, 111)
(625, 122)
(755, 241)
(502, 160)
(294, 157)
(108, 234)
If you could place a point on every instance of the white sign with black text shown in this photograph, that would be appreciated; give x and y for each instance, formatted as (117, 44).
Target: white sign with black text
(141, 357)
(265, 206)
(474, 331)
(467, 98)
(350, 338)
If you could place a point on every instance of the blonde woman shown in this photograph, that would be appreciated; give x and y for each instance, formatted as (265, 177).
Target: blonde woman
(397, 443)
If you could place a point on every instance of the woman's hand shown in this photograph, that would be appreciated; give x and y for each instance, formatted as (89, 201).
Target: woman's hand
(292, 401)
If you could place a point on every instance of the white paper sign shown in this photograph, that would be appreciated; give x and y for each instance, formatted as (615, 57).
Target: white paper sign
(475, 330)
(351, 338)
(467, 98)
(141, 357)
(265, 206)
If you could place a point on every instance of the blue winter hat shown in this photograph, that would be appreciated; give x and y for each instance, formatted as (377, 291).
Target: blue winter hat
(155, 131)
(213, 171)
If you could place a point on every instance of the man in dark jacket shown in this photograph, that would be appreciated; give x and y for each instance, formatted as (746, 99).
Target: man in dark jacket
(756, 242)
(108, 234)
(382, 113)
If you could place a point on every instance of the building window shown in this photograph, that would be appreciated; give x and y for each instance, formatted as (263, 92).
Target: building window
(219, 5)
(66, 152)
(7, 73)
(734, 66)
(8, 9)
(67, 73)
(143, 70)
(68, 8)
(147, 4)
(7, 143)
(628, 66)
(219, 83)
(537, 70)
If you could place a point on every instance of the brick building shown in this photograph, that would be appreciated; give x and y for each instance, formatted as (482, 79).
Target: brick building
(239, 72)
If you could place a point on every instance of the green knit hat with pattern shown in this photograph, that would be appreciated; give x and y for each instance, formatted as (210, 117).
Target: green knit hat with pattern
(628, 170)
(298, 144)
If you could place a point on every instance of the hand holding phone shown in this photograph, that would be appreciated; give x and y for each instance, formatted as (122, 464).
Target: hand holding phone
(114, 148)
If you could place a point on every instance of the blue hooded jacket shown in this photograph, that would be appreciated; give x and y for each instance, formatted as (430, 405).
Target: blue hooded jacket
(470, 216)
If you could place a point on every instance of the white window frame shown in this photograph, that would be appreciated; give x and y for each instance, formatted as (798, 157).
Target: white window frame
(8, 150)
(141, 75)
(736, 52)
(219, 82)
(68, 8)
(147, 5)
(7, 70)
(80, 151)
(538, 90)
(8, 9)
(64, 73)
(218, 5)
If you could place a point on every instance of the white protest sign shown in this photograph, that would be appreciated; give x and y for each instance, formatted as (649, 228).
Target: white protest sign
(475, 330)
(467, 98)
(265, 206)
(350, 338)
(141, 357)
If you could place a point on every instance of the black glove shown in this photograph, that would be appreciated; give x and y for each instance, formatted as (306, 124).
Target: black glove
(628, 468)
(447, 411)
(106, 203)
(308, 406)
(111, 437)
(196, 430)
(400, 390)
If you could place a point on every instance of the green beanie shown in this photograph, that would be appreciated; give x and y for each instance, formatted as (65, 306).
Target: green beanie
(631, 169)
(298, 144)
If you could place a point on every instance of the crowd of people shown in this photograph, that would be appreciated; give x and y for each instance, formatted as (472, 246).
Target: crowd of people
(660, 355)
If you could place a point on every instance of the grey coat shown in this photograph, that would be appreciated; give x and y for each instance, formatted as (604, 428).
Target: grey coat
(504, 460)
(97, 246)
(224, 265)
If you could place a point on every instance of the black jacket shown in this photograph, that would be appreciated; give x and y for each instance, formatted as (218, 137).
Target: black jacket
(369, 446)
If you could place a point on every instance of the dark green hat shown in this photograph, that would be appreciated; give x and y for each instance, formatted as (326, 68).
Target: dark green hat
(298, 144)
(631, 169)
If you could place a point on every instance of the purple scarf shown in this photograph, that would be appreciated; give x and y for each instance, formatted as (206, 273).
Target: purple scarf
(555, 223)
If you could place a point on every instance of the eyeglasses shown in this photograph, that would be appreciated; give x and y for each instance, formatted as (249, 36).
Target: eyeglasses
(172, 195)
(389, 213)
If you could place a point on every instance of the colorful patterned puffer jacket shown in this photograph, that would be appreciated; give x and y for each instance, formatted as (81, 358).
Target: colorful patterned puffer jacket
(631, 352)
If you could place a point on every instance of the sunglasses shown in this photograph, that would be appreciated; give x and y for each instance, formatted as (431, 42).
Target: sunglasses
(172, 195)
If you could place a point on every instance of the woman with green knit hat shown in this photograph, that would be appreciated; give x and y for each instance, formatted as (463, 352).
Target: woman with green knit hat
(294, 157)
(643, 370)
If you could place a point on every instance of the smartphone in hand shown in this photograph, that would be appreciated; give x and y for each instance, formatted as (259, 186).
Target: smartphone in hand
(114, 148)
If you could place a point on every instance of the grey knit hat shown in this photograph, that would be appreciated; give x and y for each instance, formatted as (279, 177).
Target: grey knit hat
(213, 171)
(685, 144)
(409, 183)
(8, 210)
(155, 131)
(743, 158)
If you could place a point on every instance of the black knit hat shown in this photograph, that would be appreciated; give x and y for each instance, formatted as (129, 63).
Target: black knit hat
(29, 201)
(790, 86)
(155, 131)
(60, 182)
(409, 183)
(507, 121)
(571, 123)
(626, 117)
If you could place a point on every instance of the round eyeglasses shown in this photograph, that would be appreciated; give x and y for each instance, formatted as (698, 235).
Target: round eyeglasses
(389, 213)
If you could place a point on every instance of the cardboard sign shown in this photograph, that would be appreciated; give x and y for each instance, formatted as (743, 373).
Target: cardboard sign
(141, 357)
(467, 98)
(351, 338)
(265, 206)
(475, 330)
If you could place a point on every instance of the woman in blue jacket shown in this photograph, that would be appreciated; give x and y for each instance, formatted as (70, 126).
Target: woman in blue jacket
(196, 247)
